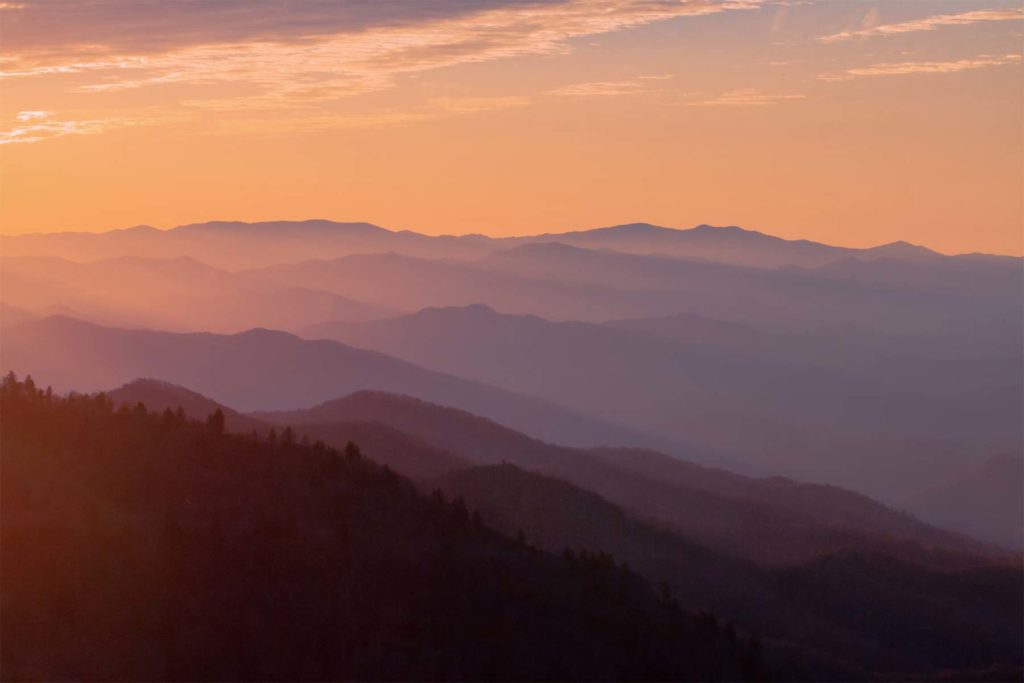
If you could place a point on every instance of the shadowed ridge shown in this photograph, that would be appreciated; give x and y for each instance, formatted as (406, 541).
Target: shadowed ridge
(402, 452)
(383, 398)
(728, 511)
(268, 369)
(555, 514)
(158, 395)
(179, 552)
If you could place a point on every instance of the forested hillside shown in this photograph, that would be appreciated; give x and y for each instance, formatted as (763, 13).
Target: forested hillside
(139, 546)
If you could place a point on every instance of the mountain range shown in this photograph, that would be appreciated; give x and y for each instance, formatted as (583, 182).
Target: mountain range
(719, 508)
(773, 458)
(901, 366)
(141, 546)
(717, 384)
(736, 580)
(239, 244)
(271, 370)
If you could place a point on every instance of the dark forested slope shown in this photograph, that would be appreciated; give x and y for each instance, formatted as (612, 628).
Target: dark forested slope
(772, 521)
(875, 614)
(139, 546)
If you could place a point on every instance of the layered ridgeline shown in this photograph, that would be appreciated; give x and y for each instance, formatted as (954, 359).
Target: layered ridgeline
(145, 546)
(750, 550)
(895, 371)
(620, 272)
(817, 405)
(731, 512)
(236, 244)
(900, 428)
(270, 370)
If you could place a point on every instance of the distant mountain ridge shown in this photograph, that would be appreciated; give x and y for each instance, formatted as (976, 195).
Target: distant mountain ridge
(265, 369)
(400, 451)
(719, 384)
(718, 508)
(885, 370)
(192, 294)
(867, 596)
(711, 505)
(295, 240)
(555, 514)
(165, 549)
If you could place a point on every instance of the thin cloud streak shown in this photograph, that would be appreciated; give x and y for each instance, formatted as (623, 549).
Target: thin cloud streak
(297, 78)
(745, 97)
(907, 68)
(432, 109)
(32, 115)
(350, 63)
(928, 24)
(46, 130)
(638, 86)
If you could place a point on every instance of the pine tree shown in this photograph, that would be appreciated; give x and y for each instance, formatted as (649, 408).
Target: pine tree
(215, 422)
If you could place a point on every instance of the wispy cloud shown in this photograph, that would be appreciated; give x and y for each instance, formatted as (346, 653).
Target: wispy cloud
(906, 68)
(296, 73)
(37, 130)
(635, 86)
(928, 24)
(745, 97)
(432, 109)
(32, 115)
(353, 62)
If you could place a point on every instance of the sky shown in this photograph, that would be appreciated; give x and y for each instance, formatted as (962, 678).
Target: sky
(851, 123)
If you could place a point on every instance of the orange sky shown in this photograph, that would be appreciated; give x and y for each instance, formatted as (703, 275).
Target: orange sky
(846, 122)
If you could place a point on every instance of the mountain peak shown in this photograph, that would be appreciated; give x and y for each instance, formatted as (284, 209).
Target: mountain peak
(704, 227)
(138, 229)
(903, 249)
(633, 229)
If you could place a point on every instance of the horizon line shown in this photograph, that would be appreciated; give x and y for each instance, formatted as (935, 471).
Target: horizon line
(4, 234)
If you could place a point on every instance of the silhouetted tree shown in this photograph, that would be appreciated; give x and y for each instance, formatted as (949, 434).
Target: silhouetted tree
(352, 451)
(215, 422)
(235, 558)
(167, 419)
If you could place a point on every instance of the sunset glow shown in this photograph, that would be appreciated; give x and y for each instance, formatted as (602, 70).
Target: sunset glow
(851, 123)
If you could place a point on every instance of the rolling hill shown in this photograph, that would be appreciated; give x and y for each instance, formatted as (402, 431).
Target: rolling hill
(267, 370)
(773, 521)
(139, 546)
(831, 406)
(192, 295)
(857, 606)
(238, 244)
(404, 453)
